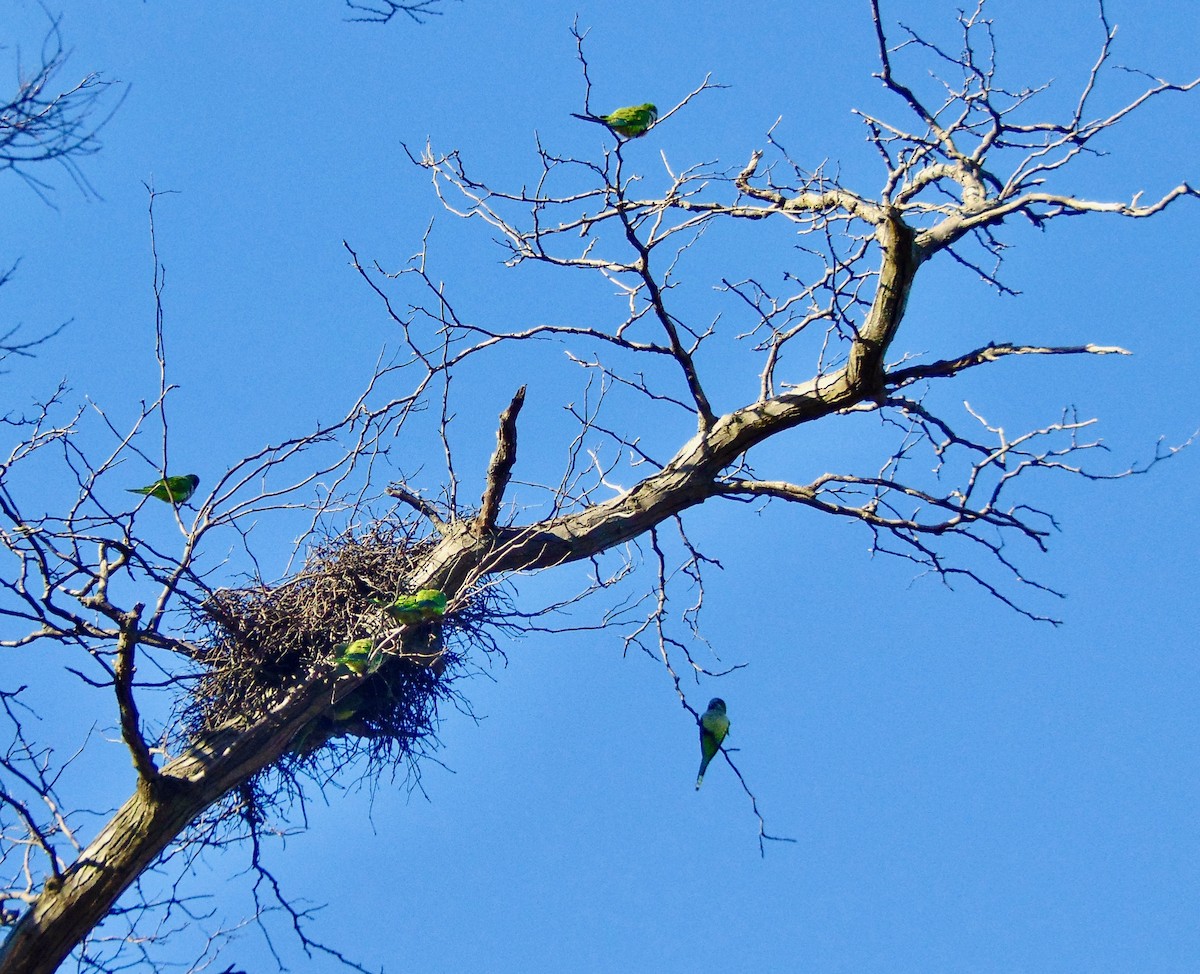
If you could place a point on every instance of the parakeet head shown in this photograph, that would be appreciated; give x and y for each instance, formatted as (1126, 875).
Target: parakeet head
(717, 704)
(193, 480)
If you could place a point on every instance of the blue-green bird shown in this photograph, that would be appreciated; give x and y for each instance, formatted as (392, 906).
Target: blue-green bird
(427, 604)
(629, 122)
(172, 490)
(714, 725)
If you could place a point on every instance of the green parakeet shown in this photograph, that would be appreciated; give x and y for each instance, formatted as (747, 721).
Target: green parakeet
(357, 657)
(628, 122)
(173, 490)
(427, 604)
(714, 725)
(343, 712)
(347, 709)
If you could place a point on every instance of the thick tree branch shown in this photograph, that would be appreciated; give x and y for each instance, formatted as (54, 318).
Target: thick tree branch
(898, 378)
(123, 673)
(501, 466)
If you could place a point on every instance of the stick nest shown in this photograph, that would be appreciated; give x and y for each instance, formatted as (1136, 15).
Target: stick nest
(263, 640)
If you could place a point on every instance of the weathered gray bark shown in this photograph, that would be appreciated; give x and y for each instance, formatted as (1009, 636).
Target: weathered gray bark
(159, 810)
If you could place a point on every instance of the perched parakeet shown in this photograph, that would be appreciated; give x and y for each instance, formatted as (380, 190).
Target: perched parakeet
(173, 490)
(427, 604)
(347, 709)
(628, 122)
(357, 657)
(714, 725)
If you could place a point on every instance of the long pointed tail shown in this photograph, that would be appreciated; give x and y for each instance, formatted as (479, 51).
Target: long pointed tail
(703, 768)
(590, 118)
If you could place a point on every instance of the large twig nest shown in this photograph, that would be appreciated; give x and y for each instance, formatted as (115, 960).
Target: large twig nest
(264, 639)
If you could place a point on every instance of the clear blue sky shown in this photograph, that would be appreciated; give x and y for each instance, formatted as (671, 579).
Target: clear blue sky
(969, 791)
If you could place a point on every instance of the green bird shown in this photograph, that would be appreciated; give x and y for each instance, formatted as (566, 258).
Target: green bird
(427, 604)
(345, 710)
(628, 122)
(714, 725)
(358, 657)
(173, 490)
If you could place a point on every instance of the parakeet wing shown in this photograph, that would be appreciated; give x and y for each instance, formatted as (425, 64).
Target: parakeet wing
(358, 656)
(632, 120)
(432, 602)
(429, 603)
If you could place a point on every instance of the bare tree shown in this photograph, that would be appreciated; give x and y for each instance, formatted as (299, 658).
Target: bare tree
(45, 121)
(261, 707)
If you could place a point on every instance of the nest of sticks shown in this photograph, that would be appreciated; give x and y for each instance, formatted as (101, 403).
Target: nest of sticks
(264, 640)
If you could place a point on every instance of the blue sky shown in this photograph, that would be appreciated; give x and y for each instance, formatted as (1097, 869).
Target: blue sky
(968, 790)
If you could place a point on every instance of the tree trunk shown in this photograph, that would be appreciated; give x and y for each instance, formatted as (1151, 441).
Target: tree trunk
(72, 905)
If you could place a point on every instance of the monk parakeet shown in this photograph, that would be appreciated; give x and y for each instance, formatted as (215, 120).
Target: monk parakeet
(173, 490)
(628, 122)
(345, 710)
(357, 657)
(714, 725)
(427, 604)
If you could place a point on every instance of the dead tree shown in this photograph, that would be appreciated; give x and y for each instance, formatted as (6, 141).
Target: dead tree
(259, 697)
(46, 122)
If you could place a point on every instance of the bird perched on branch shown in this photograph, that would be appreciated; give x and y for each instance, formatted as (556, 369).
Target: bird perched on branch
(357, 657)
(427, 604)
(714, 725)
(173, 490)
(628, 122)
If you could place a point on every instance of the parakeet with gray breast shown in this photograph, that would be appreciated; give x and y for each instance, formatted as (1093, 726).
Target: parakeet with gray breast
(714, 725)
